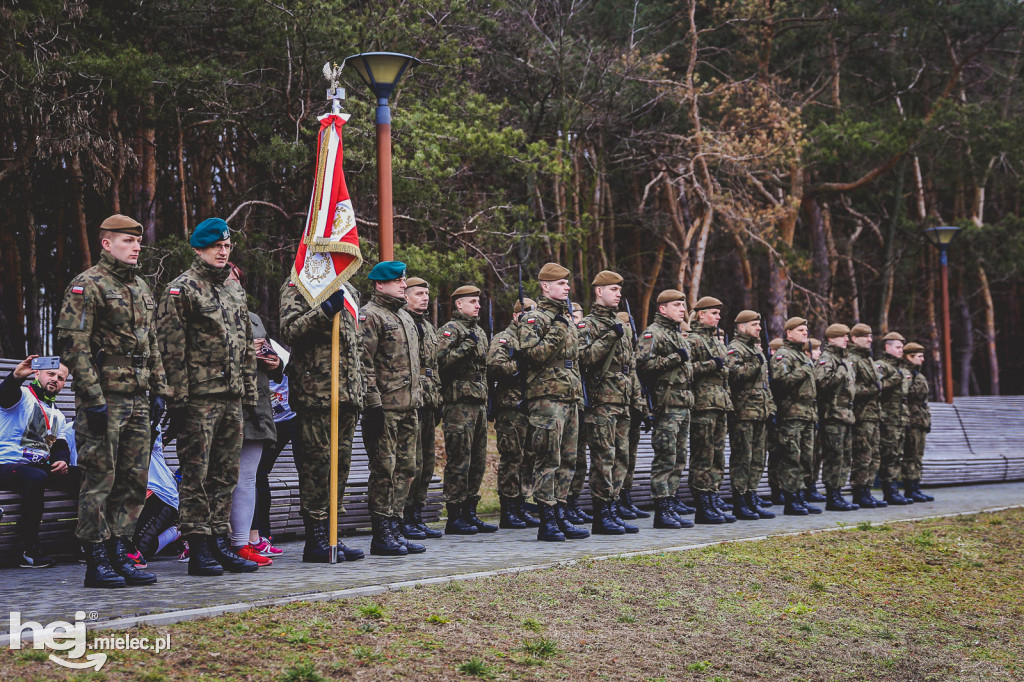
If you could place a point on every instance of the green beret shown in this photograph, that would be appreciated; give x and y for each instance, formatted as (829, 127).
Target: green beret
(387, 271)
(209, 231)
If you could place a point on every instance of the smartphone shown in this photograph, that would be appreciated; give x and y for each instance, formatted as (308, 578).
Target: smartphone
(267, 351)
(52, 362)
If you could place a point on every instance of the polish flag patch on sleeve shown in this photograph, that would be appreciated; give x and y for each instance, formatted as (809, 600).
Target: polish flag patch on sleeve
(732, 351)
(582, 325)
(78, 289)
(174, 291)
(502, 340)
(290, 283)
(648, 335)
(531, 320)
(446, 333)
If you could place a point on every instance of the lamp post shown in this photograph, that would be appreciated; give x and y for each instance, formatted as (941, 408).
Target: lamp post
(381, 72)
(941, 238)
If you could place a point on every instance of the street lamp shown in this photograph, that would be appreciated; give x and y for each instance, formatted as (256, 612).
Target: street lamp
(941, 238)
(381, 72)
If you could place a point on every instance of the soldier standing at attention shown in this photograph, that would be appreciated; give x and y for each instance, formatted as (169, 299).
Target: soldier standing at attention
(462, 358)
(867, 414)
(573, 510)
(307, 329)
(515, 471)
(391, 365)
(638, 413)
(919, 422)
(550, 348)
(892, 400)
(795, 392)
(836, 384)
(753, 404)
(417, 293)
(106, 335)
(207, 343)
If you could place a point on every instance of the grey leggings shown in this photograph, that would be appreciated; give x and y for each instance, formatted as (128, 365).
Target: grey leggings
(243, 501)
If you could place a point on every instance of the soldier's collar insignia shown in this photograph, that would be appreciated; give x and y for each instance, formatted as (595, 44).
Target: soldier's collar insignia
(78, 289)
(174, 291)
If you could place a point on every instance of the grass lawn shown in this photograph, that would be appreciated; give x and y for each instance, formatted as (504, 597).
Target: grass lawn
(933, 600)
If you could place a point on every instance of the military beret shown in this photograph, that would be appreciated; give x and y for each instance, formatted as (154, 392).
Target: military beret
(387, 270)
(530, 305)
(622, 316)
(209, 231)
(912, 348)
(893, 336)
(606, 277)
(552, 272)
(670, 295)
(835, 330)
(794, 322)
(707, 303)
(465, 290)
(775, 344)
(860, 329)
(815, 343)
(747, 316)
(123, 224)
(416, 282)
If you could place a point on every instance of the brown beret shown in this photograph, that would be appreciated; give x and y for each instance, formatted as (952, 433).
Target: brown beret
(622, 316)
(606, 277)
(552, 272)
(860, 329)
(416, 282)
(747, 316)
(530, 305)
(893, 336)
(794, 322)
(775, 344)
(123, 224)
(670, 295)
(815, 343)
(465, 290)
(707, 302)
(912, 348)
(835, 330)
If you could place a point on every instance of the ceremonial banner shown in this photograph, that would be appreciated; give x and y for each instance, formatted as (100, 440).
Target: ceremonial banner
(328, 254)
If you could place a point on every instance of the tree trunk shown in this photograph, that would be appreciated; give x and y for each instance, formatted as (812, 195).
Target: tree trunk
(889, 266)
(648, 287)
(990, 333)
(81, 227)
(33, 335)
(778, 290)
(936, 379)
(968, 352)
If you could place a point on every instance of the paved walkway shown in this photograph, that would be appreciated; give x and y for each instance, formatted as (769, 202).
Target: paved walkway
(46, 595)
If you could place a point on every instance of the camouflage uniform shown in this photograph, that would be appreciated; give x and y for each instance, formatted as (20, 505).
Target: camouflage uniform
(836, 384)
(668, 378)
(892, 400)
(515, 470)
(919, 422)
(550, 348)
(711, 403)
(795, 392)
(867, 415)
(106, 335)
(579, 467)
(638, 409)
(308, 331)
(391, 364)
(753, 404)
(430, 385)
(463, 363)
(206, 340)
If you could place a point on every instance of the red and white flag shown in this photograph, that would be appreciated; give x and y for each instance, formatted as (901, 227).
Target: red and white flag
(328, 254)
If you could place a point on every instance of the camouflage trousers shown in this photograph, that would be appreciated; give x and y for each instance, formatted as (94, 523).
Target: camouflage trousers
(669, 440)
(771, 445)
(835, 441)
(425, 457)
(865, 453)
(913, 454)
(634, 445)
(515, 468)
(707, 450)
(607, 428)
(465, 444)
(890, 451)
(392, 463)
(813, 468)
(208, 452)
(746, 454)
(579, 469)
(795, 440)
(551, 441)
(115, 469)
(312, 453)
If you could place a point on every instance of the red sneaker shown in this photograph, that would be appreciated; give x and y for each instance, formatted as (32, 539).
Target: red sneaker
(249, 552)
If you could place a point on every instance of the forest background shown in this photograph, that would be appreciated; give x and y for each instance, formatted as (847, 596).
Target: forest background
(781, 155)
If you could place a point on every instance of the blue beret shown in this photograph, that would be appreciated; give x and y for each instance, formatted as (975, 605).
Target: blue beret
(388, 270)
(209, 231)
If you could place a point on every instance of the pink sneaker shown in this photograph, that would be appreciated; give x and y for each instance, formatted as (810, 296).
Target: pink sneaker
(264, 548)
(183, 557)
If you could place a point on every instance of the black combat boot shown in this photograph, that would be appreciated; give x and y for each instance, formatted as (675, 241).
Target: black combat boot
(220, 548)
(720, 504)
(509, 516)
(892, 494)
(469, 514)
(349, 553)
(861, 498)
(316, 549)
(794, 507)
(664, 516)
(117, 551)
(803, 500)
(570, 531)
(548, 529)
(410, 528)
(456, 524)
(680, 507)
(742, 508)
(706, 512)
(778, 496)
(755, 502)
(626, 500)
(383, 542)
(98, 571)
(395, 525)
(200, 559)
(613, 510)
(149, 527)
(763, 503)
(430, 533)
(913, 492)
(834, 501)
(811, 493)
(531, 520)
(577, 512)
(621, 510)
(604, 522)
(878, 503)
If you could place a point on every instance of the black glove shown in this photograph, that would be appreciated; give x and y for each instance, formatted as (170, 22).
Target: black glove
(559, 318)
(619, 331)
(683, 355)
(249, 414)
(157, 408)
(647, 423)
(96, 419)
(176, 416)
(719, 362)
(472, 335)
(373, 423)
(335, 304)
(771, 418)
(437, 414)
(635, 416)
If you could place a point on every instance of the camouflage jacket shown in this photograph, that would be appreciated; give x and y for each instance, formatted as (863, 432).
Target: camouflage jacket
(550, 352)
(748, 379)
(836, 384)
(710, 384)
(793, 383)
(920, 415)
(430, 378)
(206, 336)
(463, 361)
(600, 348)
(661, 369)
(865, 400)
(110, 308)
(391, 354)
(502, 368)
(895, 382)
(307, 329)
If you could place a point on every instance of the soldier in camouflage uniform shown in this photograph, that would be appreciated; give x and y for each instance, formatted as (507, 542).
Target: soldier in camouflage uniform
(515, 471)
(549, 349)
(836, 384)
(795, 392)
(639, 418)
(813, 469)
(919, 422)
(573, 510)
(663, 366)
(892, 400)
(107, 337)
(866, 414)
(462, 358)
(753, 404)
(206, 339)
(307, 329)
(417, 293)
